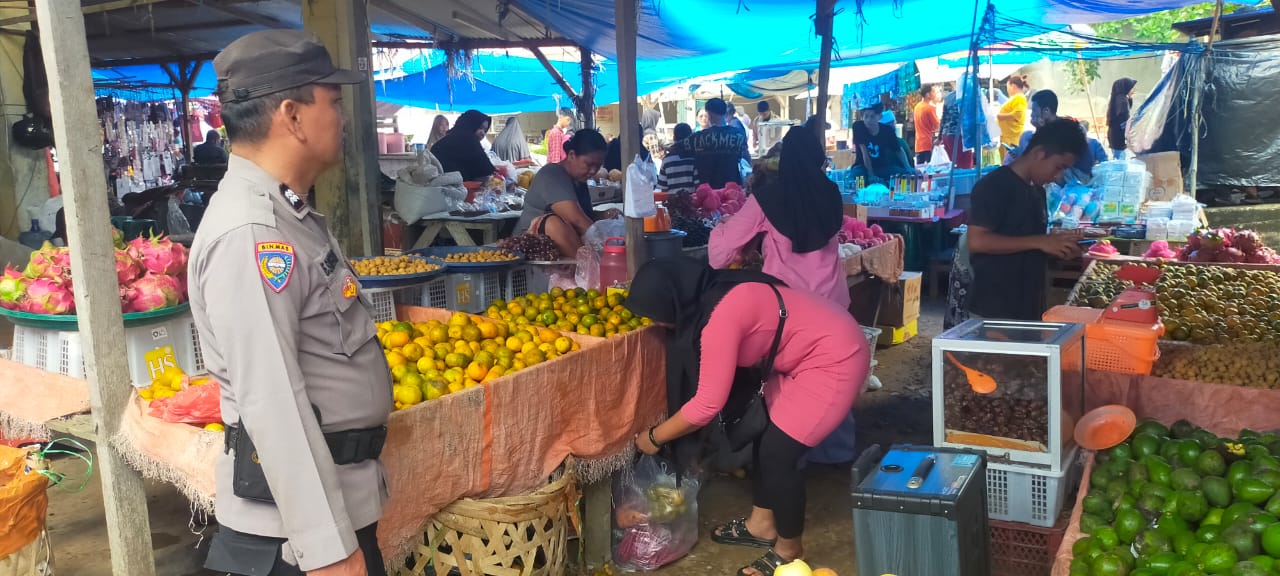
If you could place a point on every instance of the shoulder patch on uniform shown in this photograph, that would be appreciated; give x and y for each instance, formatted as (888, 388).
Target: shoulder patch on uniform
(349, 288)
(275, 262)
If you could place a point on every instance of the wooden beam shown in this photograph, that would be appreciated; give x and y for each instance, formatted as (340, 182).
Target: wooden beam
(197, 57)
(180, 28)
(627, 15)
(823, 24)
(93, 9)
(412, 18)
(349, 192)
(476, 21)
(555, 74)
(587, 100)
(66, 57)
(476, 44)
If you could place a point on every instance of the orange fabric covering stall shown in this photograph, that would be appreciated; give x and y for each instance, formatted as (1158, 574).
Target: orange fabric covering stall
(884, 261)
(29, 397)
(503, 438)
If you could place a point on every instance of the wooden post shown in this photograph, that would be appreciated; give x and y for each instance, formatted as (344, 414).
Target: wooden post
(75, 121)
(626, 15)
(555, 74)
(349, 192)
(587, 96)
(1193, 171)
(823, 24)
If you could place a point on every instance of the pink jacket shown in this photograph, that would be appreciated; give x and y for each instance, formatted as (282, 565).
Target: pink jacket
(818, 271)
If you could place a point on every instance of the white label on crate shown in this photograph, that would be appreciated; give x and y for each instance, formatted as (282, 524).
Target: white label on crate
(160, 359)
(159, 332)
(464, 293)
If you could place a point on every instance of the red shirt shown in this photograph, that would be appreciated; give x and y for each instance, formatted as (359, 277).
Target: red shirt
(555, 145)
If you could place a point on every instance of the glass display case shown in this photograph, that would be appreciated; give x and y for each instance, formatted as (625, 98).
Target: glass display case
(1012, 389)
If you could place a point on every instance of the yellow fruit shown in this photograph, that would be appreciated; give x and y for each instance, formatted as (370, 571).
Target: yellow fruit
(470, 383)
(412, 352)
(398, 339)
(488, 330)
(527, 347)
(398, 372)
(454, 360)
(395, 359)
(412, 379)
(455, 387)
(215, 427)
(402, 327)
(518, 364)
(490, 346)
(597, 330)
(547, 336)
(408, 395)
(485, 359)
(494, 373)
(437, 334)
(431, 393)
(423, 342)
(455, 332)
(576, 346)
(514, 343)
(824, 572)
(476, 371)
(471, 333)
(459, 319)
(442, 349)
(533, 357)
(525, 335)
(145, 393)
(563, 344)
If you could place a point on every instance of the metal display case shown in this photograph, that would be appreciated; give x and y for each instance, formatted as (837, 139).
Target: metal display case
(1012, 389)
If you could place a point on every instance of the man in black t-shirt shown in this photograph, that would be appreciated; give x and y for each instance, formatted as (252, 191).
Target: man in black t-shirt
(718, 149)
(879, 153)
(1009, 241)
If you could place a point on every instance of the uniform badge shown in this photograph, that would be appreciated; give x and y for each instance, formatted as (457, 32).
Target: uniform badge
(292, 197)
(350, 288)
(275, 262)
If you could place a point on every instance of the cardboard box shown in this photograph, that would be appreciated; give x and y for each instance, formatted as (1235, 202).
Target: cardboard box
(901, 304)
(856, 211)
(894, 335)
(1166, 175)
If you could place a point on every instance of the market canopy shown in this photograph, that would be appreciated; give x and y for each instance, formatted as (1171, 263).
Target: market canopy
(150, 82)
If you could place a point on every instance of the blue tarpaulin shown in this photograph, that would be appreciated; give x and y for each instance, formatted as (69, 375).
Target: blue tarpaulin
(149, 82)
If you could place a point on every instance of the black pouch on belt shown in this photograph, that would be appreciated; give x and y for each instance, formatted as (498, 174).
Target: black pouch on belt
(248, 481)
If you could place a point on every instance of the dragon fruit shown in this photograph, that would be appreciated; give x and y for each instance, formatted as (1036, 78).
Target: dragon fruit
(127, 268)
(45, 296)
(1213, 240)
(117, 238)
(40, 261)
(1232, 254)
(159, 255)
(150, 292)
(1195, 240)
(1264, 255)
(13, 286)
(1228, 236)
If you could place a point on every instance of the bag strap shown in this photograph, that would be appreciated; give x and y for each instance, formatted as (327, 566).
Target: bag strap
(766, 369)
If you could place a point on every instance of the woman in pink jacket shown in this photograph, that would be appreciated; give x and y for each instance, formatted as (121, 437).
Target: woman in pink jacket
(722, 320)
(796, 211)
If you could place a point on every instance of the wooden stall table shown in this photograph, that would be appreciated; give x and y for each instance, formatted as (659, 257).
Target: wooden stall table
(460, 227)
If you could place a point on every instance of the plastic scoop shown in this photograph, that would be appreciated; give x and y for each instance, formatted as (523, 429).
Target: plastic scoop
(979, 381)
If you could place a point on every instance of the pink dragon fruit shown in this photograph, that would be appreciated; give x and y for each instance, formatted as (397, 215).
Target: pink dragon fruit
(1247, 241)
(40, 261)
(159, 255)
(1213, 240)
(1195, 240)
(1228, 236)
(150, 292)
(45, 296)
(13, 286)
(1233, 255)
(127, 268)
(1264, 255)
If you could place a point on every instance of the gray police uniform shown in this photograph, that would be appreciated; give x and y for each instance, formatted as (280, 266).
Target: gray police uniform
(286, 334)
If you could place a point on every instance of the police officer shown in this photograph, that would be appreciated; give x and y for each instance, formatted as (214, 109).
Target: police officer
(284, 329)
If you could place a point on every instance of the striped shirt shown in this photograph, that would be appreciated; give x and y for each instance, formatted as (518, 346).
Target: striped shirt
(677, 174)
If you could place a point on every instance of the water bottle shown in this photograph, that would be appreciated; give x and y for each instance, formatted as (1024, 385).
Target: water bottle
(35, 237)
(613, 264)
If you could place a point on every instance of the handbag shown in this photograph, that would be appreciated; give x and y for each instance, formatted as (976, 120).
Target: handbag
(745, 426)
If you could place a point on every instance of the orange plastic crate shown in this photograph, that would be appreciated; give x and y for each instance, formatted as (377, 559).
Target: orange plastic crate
(1113, 346)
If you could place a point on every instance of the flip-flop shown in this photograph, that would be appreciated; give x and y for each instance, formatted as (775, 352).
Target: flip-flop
(735, 533)
(765, 565)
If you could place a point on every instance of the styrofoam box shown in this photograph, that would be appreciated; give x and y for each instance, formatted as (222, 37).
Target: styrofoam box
(61, 352)
(1018, 493)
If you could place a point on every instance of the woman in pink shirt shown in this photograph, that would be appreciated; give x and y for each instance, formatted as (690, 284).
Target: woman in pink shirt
(797, 211)
(722, 320)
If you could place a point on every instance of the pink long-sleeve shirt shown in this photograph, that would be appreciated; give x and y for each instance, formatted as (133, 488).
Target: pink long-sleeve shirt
(818, 271)
(822, 360)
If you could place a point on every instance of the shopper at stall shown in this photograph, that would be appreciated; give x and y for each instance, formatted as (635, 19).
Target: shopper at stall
(1012, 116)
(1008, 238)
(880, 155)
(677, 174)
(613, 157)
(439, 127)
(510, 144)
(304, 385)
(558, 203)
(704, 121)
(461, 149)
(1044, 110)
(797, 211)
(720, 320)
(211, 151)
(763, 114)
(1118, 115)
(557, 135)
(927, 123)
(718, 149)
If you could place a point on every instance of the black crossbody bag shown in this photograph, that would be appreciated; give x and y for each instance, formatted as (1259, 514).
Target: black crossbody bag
(744, 420)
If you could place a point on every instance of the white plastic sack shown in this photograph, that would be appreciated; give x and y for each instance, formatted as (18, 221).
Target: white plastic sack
(654, 516)
(642, 180)
(603, 230)
(940, 156)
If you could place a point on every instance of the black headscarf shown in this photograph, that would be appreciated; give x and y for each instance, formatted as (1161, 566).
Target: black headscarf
(683, 292)
(1118, 111)
(800, 201)
(460, 151)
(613, 156)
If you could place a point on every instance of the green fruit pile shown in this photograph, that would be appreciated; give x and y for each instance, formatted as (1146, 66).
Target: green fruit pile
(1180, 501)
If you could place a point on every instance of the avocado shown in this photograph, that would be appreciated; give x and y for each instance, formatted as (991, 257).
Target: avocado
(1236, 511)
(1144, 445)
(1210, 463)
(1247, 568)
(1217, 490)
(1182, 429)
(1184, 479)
(1253, 491)
(1209, 533)
(1128, 523)
(1158, 470)
(1192, 505)
(1240, 537)
(1150, 426)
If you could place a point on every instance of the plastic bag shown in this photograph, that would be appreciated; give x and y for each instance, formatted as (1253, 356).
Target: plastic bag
(176, 220)
(587, 271)
(23, 501)
(655, 519)
(642, 180)
(940, 156)
(603, 230)
(193, 405)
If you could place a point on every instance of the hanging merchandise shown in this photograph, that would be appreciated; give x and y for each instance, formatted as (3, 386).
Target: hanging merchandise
(141, 146)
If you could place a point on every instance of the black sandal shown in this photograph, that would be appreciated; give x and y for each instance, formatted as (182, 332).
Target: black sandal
(735, 533)
(765, 565)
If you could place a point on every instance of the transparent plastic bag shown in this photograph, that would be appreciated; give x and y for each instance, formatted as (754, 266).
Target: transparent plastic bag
(642, 180)
(655, 518)
(587, 271)
(176, 220)
(603, 230)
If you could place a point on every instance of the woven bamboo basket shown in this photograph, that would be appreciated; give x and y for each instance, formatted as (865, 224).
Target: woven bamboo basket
(523, 535)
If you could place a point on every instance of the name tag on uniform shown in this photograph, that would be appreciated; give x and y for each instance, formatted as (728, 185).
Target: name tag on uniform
(330, 263)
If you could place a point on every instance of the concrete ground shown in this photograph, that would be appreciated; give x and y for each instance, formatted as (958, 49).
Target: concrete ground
(900, 412)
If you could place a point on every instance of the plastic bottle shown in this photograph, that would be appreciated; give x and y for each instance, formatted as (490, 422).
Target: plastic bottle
(613, 264)
(34, 237)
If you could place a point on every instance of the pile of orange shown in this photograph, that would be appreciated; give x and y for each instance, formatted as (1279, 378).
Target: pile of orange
(432, 359)
(585, 312)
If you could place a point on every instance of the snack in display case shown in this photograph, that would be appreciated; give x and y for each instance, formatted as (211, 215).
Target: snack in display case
(1012, 389)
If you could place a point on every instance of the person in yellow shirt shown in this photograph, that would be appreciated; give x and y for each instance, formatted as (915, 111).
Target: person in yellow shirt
(1013, 114)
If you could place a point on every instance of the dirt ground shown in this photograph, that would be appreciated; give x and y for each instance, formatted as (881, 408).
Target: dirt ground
(898, 413)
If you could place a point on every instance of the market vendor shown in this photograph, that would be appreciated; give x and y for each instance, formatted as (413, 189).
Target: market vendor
(797, 211)
(880, 154)
(1008, 234)
(558, 203)
(720, 320)
(305, 389)
(1044, 110)
(461, 151)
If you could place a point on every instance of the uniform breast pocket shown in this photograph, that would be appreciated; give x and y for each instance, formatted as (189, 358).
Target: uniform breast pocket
(354, 322)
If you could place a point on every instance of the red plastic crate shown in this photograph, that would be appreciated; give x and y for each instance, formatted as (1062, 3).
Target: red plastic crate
(1024, 550)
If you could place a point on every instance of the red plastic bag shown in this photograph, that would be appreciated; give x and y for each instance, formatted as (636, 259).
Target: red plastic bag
(193, 405)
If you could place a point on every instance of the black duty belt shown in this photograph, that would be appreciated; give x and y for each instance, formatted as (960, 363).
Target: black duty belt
(347, 446)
